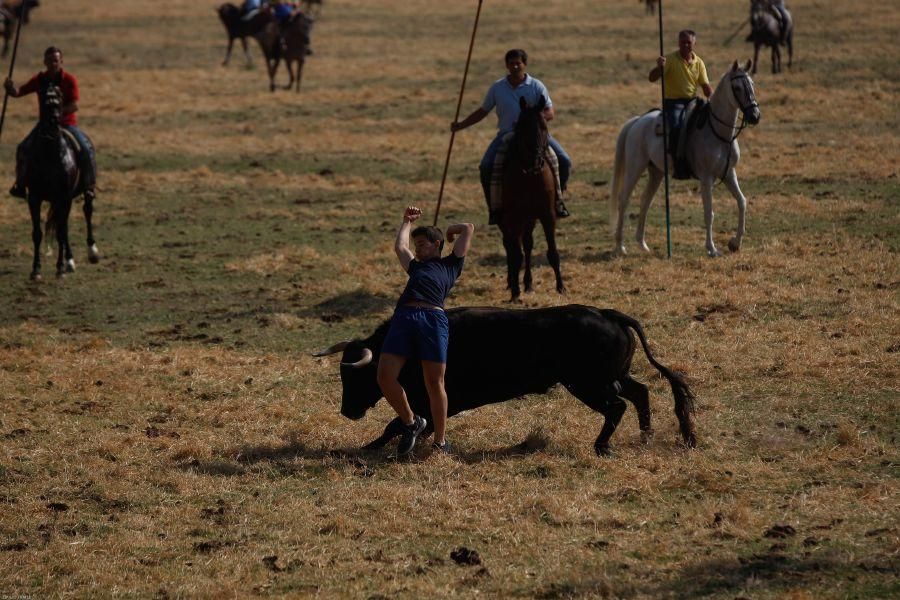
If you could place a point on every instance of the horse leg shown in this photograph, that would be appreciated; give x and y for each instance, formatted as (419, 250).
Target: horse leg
(755, 57)
(228, 52)
(62, 238)
(706, 185)
(34, 207)
(731, 182)
(654, 178)
(290, 69)
(88, 208)
(272, 66)
(638, 394)
(549, 226)
(300, 71)
(776, 58)
(246, 52)
(789, 39)
(512, 244)
(528, 245)
(632, 175)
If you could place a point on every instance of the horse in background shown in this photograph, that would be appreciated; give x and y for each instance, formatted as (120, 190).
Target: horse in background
(766, 29)
(650, 6)
(529, 195)
(711, 151)
(52, 174)
(290, 43)
(238, 28)
(312, 7)
(10, 12)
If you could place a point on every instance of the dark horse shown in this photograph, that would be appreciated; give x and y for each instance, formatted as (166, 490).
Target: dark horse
(52, 174)
(10, 12)
(238, 28)
(290, 42)
(767, 30)
(529, 195)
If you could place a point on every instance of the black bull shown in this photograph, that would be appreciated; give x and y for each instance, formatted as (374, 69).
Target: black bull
(499, 354)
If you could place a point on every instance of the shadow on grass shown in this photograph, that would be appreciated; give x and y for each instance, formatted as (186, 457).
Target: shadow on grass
(350, 304)
(776, 568)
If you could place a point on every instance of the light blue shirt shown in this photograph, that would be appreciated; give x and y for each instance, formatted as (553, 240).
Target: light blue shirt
(506, 98)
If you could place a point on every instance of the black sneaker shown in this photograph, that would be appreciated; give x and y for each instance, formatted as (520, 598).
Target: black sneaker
(410, 434)
(18, 191)
(561, 211)
(444, 448)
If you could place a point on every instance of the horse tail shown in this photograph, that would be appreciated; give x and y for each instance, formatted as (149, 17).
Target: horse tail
(618, 174)
(684, 397)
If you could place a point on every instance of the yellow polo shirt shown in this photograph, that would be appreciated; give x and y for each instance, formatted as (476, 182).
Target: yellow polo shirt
(682, 79)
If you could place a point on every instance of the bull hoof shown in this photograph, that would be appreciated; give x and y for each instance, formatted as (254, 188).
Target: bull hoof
(605, 451)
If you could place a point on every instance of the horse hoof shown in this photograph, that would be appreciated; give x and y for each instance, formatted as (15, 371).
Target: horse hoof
(647, 436)
(529, 289)
(645, 247)
(620, 251)
(70, 265)
(734, 245)
(714, 253)
(93, 254)
(515, 300)
(36, 276)
(605, 451)
(562, 291)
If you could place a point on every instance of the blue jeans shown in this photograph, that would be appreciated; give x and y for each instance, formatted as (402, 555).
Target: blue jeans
(487, 164)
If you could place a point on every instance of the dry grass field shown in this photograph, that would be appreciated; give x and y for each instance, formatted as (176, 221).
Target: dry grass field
(166, 433)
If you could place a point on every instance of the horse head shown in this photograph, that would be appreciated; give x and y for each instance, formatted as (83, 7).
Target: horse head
(51, 111)
(743, 92)
(532, 135)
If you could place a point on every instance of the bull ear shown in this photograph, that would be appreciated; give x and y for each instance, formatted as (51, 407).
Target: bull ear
(747, 65)
(333, 349)
(522, 104)
(734, 67)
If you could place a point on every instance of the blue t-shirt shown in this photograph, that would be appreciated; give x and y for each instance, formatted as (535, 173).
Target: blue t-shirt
(430, 281)
(506, 98)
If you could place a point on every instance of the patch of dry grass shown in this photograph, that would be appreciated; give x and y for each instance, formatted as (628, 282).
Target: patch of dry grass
(165, 431)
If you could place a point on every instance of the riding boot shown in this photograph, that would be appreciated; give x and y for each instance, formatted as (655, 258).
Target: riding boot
(561, 211)
(18, 189)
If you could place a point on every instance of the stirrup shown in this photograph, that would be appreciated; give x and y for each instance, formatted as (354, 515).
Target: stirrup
(561, 211)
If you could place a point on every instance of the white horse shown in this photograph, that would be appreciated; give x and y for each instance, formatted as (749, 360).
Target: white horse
(712, 153)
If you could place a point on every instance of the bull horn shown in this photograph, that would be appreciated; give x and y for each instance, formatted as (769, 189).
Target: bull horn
(333, 350)
(366, 359)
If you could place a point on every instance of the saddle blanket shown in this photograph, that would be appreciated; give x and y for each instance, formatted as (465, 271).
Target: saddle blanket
(497, 173)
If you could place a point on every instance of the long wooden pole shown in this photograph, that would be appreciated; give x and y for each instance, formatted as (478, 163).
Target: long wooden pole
(662, 79)
(462, 89)
(12, 64)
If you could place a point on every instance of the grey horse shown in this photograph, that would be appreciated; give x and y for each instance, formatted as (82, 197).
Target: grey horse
(768, 30)
(711, 151)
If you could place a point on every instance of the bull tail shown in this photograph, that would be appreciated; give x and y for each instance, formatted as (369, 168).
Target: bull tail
(618, 175)
(684, 397)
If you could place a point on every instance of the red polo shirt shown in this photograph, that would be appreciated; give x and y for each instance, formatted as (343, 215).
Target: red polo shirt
(66, 82)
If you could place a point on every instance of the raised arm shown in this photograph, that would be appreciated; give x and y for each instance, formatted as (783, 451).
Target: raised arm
(465, 231)
(401, 244)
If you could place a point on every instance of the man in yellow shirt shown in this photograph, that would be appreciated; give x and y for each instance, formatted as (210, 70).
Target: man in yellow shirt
(684, 72)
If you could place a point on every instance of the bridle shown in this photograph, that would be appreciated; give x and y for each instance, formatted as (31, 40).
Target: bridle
(735, 88)
(540, 150)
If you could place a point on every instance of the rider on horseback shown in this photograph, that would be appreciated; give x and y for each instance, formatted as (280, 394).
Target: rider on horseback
(67, 83)
(684, 72)
(779, 10)
(505, 94)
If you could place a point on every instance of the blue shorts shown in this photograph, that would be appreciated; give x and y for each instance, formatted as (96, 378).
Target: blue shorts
(422, 333)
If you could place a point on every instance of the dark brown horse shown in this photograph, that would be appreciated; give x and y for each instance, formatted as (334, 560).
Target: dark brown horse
(10, 12)
(52, 175)
(296, 46)
(650, 6)
(529, 195)
(238, 28)
(768, 30)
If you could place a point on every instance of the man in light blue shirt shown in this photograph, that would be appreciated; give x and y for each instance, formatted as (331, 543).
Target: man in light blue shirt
(504, 95)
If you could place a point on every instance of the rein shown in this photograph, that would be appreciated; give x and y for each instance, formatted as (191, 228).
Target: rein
(735, 129)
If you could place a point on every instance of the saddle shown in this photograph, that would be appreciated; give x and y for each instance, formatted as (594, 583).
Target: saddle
(72, 141)
(499, 164)
(696, 115)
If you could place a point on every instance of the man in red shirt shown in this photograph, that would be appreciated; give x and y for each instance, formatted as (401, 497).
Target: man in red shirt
(68, 85)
